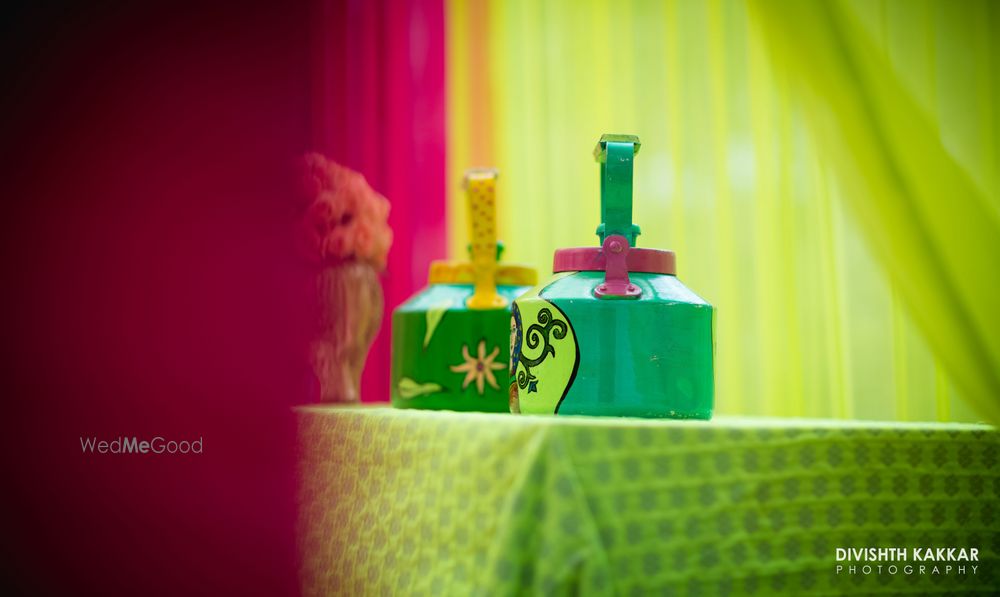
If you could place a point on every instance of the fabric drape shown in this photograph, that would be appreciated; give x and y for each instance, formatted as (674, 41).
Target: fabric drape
(933, 229)
(379, 107)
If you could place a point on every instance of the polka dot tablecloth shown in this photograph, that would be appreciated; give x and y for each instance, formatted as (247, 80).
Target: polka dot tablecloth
(440, 503)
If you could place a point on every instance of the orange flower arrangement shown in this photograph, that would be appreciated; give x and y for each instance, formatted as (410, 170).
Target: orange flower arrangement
(343, 218)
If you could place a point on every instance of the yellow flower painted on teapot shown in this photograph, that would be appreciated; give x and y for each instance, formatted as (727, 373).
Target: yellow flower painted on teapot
(480, 368)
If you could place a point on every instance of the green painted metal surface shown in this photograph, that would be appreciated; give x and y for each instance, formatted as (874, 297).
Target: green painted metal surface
(448, 356)
(615, 153)
(651, 357)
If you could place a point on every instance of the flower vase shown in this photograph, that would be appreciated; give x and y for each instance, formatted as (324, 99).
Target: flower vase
(348, 316)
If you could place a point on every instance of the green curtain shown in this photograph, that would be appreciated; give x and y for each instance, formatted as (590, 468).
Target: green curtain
(736, 176)
(933, 227)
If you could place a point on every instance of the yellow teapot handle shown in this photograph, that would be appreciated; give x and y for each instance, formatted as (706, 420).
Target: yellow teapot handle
(480, 194)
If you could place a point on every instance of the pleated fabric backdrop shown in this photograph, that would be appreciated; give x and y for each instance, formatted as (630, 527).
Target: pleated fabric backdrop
(932, 221)
(379, 107)
(809, 324)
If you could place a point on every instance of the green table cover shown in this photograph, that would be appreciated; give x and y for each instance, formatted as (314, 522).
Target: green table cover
(442, 503)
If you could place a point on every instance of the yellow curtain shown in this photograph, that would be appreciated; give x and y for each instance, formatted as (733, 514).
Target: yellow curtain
(735, 178)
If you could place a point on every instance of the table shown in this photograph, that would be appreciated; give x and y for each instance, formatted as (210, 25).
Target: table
(442, 503)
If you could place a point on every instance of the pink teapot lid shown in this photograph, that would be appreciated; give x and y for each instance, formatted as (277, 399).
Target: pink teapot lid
(617, 256)
(593, 259)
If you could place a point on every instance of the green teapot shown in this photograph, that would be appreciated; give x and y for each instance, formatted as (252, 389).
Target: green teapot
(613, 332)
(450, 348)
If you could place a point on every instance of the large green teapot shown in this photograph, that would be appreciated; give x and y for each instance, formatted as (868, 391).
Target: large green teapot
(613, 331)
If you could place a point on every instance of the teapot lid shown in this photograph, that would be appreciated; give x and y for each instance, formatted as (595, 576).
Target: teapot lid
(617, 255)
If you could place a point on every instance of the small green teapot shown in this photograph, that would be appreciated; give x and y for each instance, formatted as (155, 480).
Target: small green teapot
(450, 340)
(613, 332)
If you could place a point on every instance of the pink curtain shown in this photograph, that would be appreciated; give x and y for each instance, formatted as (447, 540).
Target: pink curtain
(378, 107)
